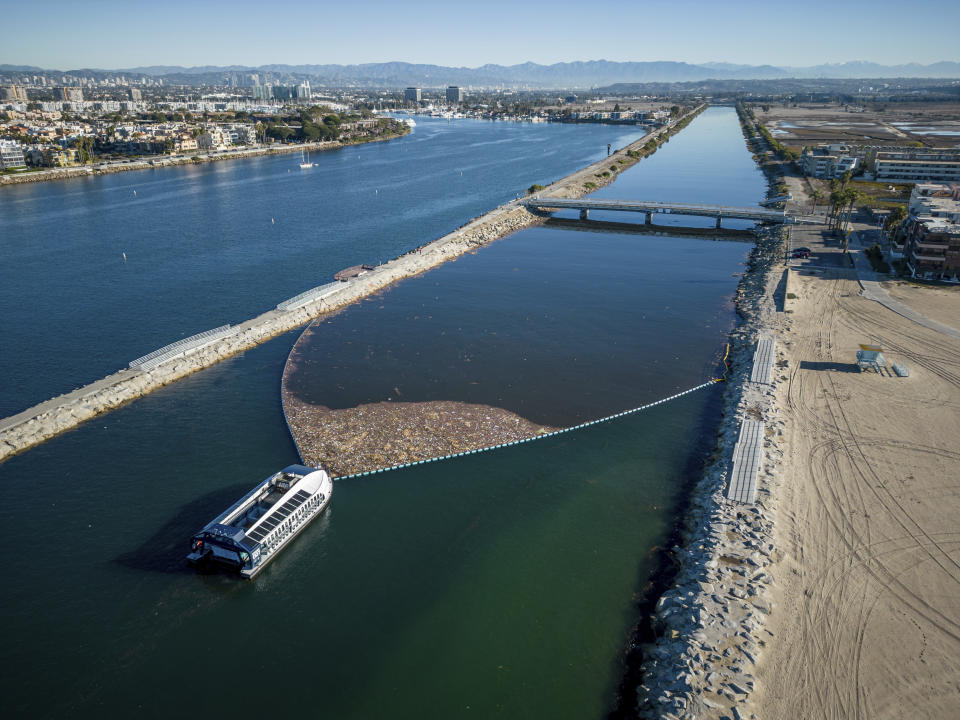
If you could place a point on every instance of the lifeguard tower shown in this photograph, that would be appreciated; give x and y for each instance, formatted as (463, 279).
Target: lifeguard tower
(870, 357)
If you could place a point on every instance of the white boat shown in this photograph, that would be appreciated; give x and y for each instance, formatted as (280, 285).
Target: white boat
(410, 122)
(252, 531)
(305, 160)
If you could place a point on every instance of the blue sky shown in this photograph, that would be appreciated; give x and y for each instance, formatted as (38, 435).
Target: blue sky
(114, 34)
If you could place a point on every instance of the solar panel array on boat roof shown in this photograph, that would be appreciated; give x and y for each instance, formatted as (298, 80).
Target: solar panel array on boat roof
(278, 516)
(763, 362)
(746, 463)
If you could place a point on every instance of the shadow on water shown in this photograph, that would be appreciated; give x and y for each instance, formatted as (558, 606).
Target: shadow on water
(662, 565)
(165, 550)
(610, 226)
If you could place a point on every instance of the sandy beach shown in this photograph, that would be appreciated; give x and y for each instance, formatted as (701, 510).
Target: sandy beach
(868, 610)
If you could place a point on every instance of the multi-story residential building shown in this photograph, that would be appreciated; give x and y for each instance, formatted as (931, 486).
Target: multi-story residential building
(412, 94)
(303, 91)
(184, 144)
(243, 134)
(934, 199)
(135, 94)
(916, 165)
(53, 156)
(11, 155)
(454, 94)
(932, 245)
(71, 94)
(15, 93)
(828, 161)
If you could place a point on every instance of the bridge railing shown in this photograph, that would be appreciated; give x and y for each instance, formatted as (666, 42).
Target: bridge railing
(656, 207)
(179, 348)
(305, 298)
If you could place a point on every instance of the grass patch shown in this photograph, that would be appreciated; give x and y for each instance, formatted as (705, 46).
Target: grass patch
(878, 194)
(534, 188)
(590, 185)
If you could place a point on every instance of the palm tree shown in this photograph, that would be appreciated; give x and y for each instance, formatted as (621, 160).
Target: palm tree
(817, 195)
(836, 201)
(851, 197)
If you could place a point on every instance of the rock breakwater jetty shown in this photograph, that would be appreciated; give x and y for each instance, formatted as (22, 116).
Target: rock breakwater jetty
(710, 624)
(52, 417)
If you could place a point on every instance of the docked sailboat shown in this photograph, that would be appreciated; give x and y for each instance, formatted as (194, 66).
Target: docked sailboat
(252, 531)
(305, 160)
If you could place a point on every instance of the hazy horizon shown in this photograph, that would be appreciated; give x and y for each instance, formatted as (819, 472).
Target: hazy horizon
(114, 35)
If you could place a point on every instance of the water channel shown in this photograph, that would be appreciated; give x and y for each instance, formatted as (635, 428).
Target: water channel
(501, 583)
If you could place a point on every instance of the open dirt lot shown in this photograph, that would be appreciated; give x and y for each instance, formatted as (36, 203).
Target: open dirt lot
(867, 620)
(932, 124)
(939, 303)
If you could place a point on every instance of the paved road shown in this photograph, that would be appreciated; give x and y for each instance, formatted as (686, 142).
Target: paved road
(872, 290)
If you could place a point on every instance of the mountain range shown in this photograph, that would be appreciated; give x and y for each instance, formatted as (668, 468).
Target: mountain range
(580, 74)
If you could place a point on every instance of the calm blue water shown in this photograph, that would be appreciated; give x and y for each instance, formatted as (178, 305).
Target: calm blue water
(499, 584)
(219, 243)
(557, 326)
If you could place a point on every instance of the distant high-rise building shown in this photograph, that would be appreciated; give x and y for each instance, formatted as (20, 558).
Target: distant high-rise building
(303, 91)
(412, 94)
(262, 92)
(15, 93)
(71, 94)
(135, 94)
(454, 94)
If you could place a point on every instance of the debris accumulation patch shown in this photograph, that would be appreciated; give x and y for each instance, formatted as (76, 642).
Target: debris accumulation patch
(378, 435)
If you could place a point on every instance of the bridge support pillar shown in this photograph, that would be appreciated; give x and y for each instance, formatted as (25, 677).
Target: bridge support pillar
(584, 214)
(649, 219)
(718, 222)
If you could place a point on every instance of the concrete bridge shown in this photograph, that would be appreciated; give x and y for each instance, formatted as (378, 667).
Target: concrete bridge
(653, 207)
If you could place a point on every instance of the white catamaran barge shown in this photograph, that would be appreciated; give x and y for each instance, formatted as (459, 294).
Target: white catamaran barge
(250, 533)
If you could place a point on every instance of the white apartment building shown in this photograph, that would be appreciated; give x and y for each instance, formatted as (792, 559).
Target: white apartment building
(917, 166)
(828, 161)
(11, 155)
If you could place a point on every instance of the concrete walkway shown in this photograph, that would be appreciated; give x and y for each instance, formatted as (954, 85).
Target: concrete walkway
(872, 290)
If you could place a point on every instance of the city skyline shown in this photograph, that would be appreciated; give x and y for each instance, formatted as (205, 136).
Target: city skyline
(105, 34)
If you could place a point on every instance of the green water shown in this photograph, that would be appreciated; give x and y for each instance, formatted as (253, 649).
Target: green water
(501, 584)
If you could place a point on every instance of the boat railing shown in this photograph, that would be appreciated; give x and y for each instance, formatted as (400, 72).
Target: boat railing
(288, 526)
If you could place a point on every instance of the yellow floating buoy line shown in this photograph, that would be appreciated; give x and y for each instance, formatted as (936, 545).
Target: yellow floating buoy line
(726, 365)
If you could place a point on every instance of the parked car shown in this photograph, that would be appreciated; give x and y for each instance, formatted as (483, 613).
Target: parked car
(800, 253)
